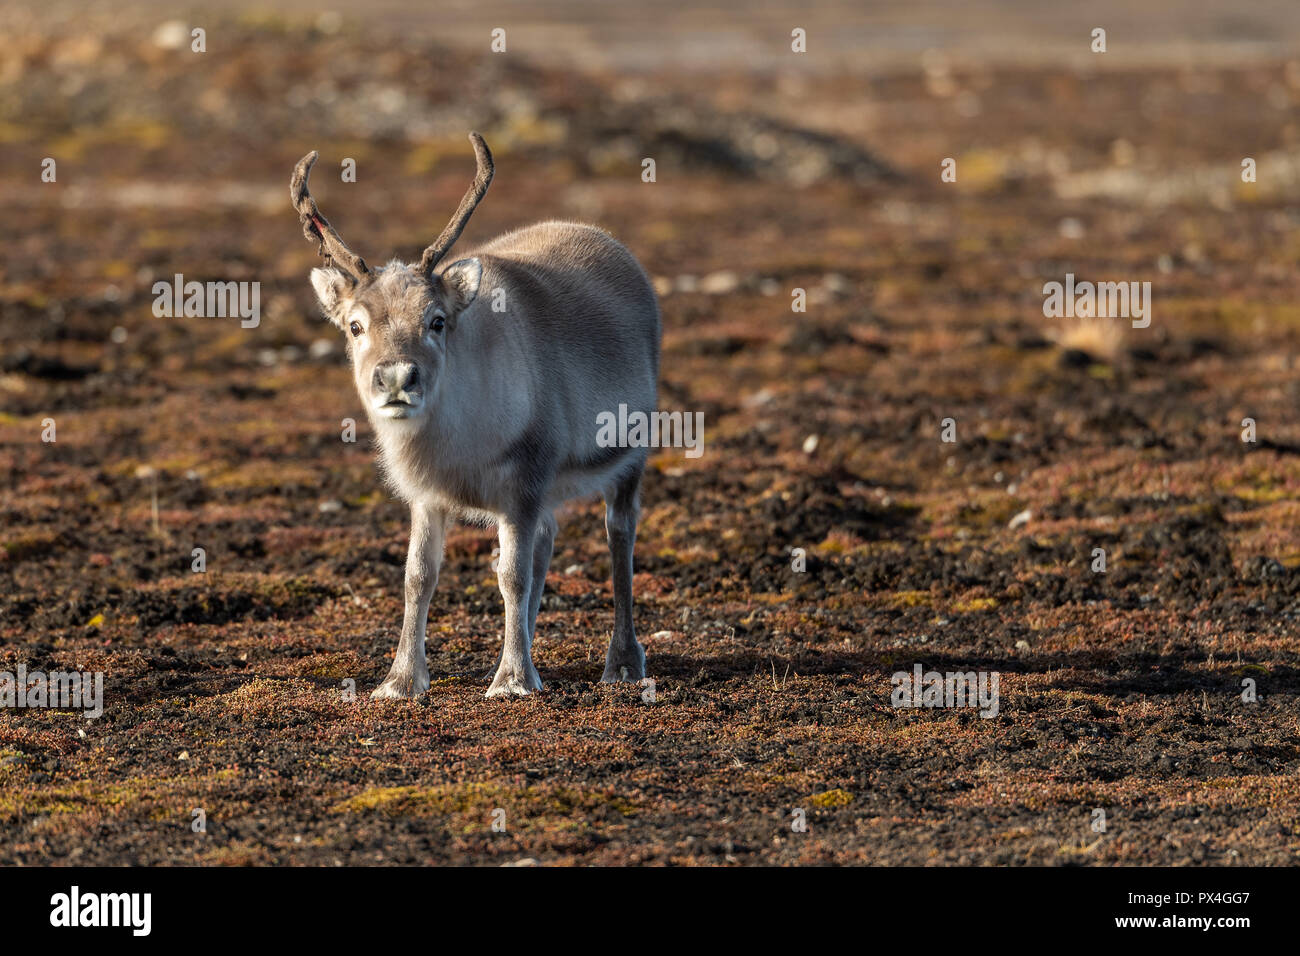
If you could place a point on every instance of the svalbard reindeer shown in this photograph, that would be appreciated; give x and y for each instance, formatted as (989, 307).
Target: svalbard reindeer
(483, 382)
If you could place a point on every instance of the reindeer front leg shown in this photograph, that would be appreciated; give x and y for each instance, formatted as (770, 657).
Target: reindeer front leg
(516, 673)
(409, 676)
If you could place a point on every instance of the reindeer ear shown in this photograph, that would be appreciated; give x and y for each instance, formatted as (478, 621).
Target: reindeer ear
(460, 283)
(333, 289)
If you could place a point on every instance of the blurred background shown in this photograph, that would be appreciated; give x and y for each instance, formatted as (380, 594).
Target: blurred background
(775, 171)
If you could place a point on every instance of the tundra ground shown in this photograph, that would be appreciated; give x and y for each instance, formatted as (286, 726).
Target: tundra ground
(1120, 691)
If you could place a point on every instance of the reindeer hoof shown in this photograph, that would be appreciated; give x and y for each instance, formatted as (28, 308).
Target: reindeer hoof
(401, 686)
(629, 667)
(515, 682)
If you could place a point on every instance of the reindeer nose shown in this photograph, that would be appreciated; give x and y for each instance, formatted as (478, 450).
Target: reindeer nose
(396, 377)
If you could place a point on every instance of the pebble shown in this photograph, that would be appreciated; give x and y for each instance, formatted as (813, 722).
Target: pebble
(720, 283)
(1071, 228)
(172, 35)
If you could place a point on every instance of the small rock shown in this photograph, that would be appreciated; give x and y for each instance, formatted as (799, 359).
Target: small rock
(1020, 520)
(810, 444)
(172, 35)
(331, 506)
(1071, 228)
(720, 283)
(1262, 568)
(837, 284)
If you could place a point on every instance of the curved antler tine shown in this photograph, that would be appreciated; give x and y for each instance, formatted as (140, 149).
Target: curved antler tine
(473, 196)
(316, 227)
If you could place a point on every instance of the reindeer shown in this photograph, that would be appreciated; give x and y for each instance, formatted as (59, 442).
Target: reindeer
(489, 416)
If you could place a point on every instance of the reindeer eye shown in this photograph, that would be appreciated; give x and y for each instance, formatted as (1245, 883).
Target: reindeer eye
(439, 321)
(355, 328)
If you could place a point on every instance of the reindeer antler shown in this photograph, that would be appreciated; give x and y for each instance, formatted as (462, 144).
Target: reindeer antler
(315, 227)
(473, 196)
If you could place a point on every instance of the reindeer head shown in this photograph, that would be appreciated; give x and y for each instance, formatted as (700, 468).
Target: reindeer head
(397, 319)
